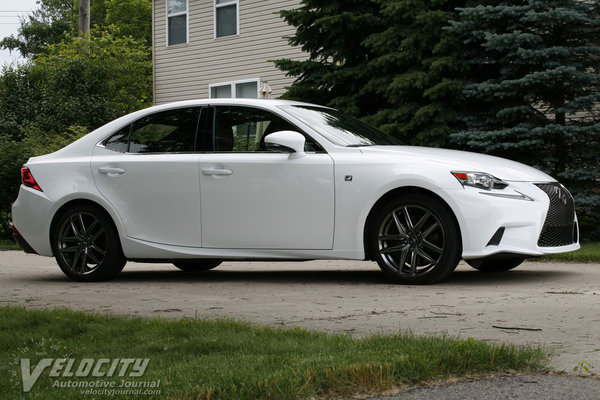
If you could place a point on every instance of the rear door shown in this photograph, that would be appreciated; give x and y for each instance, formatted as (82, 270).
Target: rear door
(148, 171)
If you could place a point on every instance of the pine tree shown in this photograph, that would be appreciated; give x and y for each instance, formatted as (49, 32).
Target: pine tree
(387, 61)
(332, 34)
(413, 70)
(533, 92)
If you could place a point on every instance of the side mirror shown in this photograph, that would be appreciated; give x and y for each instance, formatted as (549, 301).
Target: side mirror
(286, 141)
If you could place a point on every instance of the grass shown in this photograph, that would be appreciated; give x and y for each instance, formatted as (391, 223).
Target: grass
(8, 244)
(197, 359)
(589, 252)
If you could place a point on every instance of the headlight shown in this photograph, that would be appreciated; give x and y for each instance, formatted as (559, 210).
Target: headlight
(479, 180)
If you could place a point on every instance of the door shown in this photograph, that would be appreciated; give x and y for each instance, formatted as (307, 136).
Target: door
(148, 171)
(255, 199)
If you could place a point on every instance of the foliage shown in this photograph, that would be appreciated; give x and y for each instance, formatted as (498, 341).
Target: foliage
(14, 153)
(332, 33)
(413, 72)
(54, 20)
(198, 359)
(387, 61)
(133, 17)
(46, 25)
(85, 81)
(534, 83)
(90, 80)
(19, 97)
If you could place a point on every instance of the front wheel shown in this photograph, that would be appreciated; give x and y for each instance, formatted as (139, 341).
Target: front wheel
(415, 240)
(498, 265)
(197, 265)
(86, 244)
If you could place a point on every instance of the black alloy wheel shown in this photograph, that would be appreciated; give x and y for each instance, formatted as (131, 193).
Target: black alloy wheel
(415, 240)
(86, 244)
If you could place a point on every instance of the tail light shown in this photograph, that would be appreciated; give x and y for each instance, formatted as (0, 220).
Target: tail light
(28, 179)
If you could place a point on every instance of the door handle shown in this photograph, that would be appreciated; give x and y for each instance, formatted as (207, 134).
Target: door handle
(216, 172)
(111, 171)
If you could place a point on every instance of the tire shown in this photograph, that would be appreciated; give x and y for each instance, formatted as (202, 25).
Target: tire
(86, 244)
(197, 265)
(499, 265)
(415, 240)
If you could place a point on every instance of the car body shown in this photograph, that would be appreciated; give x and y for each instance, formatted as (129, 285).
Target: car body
(198, 182)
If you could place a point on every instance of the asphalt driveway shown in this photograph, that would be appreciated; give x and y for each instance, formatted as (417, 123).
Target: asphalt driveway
(553, 304)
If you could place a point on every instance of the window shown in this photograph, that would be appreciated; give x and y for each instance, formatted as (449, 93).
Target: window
(177, 22)
(339, 128)
(243, 129)
(226, 17)
(247, 89)
(172, 131)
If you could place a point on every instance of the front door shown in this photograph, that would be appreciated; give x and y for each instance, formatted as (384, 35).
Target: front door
(254, 199)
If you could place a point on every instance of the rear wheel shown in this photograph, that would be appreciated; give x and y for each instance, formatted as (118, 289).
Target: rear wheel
(197, 265)
(86, 244)
(498, 265)
(415, 240)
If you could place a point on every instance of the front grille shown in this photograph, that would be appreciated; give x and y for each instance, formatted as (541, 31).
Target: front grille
(559, 228)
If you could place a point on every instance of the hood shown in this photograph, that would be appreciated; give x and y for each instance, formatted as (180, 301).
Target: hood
(456, 160)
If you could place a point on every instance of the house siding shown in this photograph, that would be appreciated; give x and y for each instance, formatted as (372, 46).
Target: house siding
(185, 71)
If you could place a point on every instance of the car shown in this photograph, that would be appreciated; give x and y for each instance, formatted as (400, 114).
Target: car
(198, 182)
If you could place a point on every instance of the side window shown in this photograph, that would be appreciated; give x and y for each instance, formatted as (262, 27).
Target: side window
(243, 129)
(172, 131)
(119, 141)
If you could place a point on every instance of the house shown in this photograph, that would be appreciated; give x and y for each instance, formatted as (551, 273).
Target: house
(220, 48)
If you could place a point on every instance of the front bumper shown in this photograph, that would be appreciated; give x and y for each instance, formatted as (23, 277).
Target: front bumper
(538, 223)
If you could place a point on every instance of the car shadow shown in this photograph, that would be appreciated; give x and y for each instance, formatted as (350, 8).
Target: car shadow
(328, 275)
(368, 276)
(275, 276)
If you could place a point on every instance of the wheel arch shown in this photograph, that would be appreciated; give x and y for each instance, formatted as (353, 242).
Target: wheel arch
(389, 196)
(74, 202)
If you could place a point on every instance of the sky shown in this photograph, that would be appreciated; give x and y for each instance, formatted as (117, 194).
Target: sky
(10, 11)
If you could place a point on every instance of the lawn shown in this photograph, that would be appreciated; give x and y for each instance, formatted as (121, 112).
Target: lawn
(8, 244)
(589, 252)
(197, 359)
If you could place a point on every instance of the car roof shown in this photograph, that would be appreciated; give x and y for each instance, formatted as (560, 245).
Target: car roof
(266, 103)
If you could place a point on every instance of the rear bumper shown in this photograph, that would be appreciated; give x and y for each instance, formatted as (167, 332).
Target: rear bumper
(22, 243)
(32, 214)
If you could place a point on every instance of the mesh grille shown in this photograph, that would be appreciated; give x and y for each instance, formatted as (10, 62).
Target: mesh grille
(559, 228)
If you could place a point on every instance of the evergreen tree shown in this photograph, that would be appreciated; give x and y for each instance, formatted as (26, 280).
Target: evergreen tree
(335, 73)
(387, 61)
(414, 71)
(533, 92)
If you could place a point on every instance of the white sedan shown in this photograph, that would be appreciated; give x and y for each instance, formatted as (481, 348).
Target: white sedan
(194, 183)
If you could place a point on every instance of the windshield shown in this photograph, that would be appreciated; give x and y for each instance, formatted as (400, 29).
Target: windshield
(338, 128)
